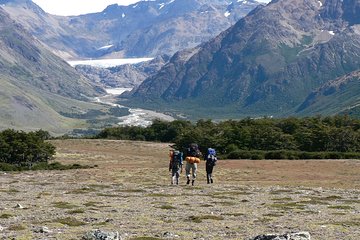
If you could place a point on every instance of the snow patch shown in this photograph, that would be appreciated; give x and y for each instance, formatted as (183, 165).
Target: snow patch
(105, 47)
(117, 91)
(227, 14)
(161, 5)
(331, 33)
(320, 3)
(106, 63)
(123, 15)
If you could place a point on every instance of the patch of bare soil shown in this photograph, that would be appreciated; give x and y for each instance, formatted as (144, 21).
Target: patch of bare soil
(130, 192)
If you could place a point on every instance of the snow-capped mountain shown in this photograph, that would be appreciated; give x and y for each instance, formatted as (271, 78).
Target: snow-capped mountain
(143, 29)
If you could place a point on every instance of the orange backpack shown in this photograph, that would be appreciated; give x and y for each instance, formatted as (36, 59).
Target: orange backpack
(192, 160)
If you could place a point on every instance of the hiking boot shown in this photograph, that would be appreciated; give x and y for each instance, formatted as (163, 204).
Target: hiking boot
(192, 182)
(188, 181)
(211, 180)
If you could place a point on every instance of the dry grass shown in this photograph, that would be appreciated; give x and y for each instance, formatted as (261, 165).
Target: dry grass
(130, 192)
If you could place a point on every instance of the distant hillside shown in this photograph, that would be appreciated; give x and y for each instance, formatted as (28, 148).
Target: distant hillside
(266, 64)
(147, 28)
(36, 85)
(338, 96)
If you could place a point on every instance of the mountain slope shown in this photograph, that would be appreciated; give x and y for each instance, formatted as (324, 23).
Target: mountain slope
(35, 82)
(52, 30)
(266, 64)
(147, 28)
(337, 96)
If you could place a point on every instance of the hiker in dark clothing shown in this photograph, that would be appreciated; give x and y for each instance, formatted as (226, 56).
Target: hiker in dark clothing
(175, 166)
(211, 160)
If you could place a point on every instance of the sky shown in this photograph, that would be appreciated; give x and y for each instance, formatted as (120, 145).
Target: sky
(77, 7)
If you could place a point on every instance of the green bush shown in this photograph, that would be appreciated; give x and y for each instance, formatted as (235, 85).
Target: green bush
(289, 155)
(6, 167)
(24, 149)
(245, 154)
(282, 154)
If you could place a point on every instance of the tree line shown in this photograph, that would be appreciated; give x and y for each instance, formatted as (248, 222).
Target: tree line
(293, 138)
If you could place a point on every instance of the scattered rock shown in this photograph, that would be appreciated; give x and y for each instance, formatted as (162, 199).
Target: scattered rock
(19, 206)
(170, 235)
(287, 236)
(42, 230)
(101, 235)
(1, 228)
(90, 219)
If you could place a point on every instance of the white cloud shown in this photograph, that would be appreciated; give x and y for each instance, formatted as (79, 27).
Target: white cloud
(77, 7)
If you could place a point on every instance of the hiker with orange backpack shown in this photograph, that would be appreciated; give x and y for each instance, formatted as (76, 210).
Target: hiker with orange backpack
(175, 165)
(193, 155)
(211, 160)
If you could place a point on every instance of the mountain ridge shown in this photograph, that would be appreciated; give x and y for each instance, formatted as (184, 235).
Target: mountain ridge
(266, 64)
(36, 82)
(147, 28)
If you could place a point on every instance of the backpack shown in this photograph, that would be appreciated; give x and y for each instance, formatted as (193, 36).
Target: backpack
(176, 160)
(193, 151)
(211, 158)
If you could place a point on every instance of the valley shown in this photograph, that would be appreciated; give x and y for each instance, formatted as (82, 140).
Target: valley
(281, 63)
(129, 191)
(191, 59)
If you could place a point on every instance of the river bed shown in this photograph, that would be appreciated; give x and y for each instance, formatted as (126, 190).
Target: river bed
(138, 116)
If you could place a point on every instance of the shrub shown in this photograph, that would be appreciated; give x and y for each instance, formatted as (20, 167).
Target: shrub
(282, 154)
(245, 154)
(20, 148)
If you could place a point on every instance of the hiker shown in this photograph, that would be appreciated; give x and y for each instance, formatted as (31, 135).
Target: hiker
(211, 160)
(175, 166)
(193, 155)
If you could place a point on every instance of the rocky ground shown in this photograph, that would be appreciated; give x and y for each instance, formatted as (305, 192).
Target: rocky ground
(129, 191)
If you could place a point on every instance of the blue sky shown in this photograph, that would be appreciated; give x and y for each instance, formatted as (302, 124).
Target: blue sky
(77, 7)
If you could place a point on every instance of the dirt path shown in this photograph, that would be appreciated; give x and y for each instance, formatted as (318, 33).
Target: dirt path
(129, 192)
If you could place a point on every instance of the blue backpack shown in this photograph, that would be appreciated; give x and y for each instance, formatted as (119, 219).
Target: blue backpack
(177, 160)
(211, 158)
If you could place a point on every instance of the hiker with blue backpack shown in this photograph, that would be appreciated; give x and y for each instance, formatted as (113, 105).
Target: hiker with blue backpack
(175, 166)
(193, 155)
(211, 160)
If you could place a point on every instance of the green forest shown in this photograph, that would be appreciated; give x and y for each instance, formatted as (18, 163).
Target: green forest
(265, 138)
